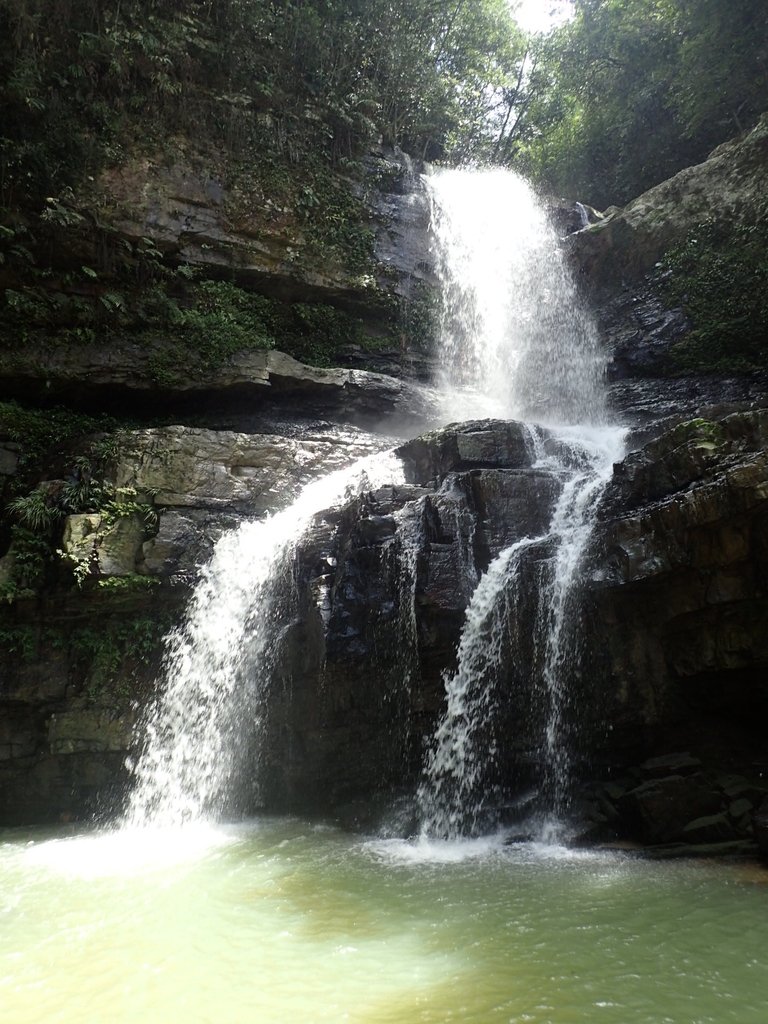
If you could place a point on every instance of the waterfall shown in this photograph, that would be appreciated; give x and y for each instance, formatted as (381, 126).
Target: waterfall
(205, 721)
(516, 341)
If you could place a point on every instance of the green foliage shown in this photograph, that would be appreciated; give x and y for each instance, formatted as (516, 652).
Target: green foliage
(39, 431)
(291, 79)
(120, 503)
(133, 582)
(630, 91)
(30, 559)
(35, 511)
(40, 512)
(190, 326)
(318, 333)
(333, 218)
(21, 640)
(720, 277)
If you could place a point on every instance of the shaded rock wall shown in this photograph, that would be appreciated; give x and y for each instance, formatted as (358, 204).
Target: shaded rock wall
(78, 663)
(673, 616)
(677, 589)
(618, 262)
(189, 211)
(626, 244)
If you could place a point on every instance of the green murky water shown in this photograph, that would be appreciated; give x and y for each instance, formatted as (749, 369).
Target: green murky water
(282, 921)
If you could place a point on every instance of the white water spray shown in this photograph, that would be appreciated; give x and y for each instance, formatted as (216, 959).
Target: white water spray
(516, 342)
(218, 661)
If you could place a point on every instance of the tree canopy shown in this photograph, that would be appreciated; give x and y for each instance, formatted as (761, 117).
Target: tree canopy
(622, 95)
(630, 91)
(328, 76)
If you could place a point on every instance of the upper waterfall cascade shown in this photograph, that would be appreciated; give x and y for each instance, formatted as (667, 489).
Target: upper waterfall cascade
(516, 342)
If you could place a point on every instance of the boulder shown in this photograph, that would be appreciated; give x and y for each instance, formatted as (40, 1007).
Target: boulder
(473, 444)
(658, 811)
(105, 548)
(730, 186)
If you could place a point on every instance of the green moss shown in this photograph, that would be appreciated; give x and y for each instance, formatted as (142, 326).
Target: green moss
(705, 433)
(38, 431)
(719, 275)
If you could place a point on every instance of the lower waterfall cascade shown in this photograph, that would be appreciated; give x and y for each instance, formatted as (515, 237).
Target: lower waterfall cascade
(195, 742)
(516, 343)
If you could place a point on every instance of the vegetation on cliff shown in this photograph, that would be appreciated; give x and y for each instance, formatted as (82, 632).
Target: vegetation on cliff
(719, 275)
(630, 91)
(281, 82)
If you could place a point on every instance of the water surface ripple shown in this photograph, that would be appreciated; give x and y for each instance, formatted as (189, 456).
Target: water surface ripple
(281, 920)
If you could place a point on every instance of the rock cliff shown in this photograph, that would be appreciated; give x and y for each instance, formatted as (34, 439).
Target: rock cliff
(661, 269)
(674, 603)
(673, 599)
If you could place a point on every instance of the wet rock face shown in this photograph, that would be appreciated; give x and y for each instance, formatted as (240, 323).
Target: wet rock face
(674, 617)
(676, 590)
(651, 406)
(381, 594)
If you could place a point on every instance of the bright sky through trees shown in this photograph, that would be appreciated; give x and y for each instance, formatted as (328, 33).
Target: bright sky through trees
(541, 15)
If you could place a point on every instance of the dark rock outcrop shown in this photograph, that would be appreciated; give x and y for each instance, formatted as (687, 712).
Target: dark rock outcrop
(382, 591)
(676, 595)
(674, 612)
(97, 375)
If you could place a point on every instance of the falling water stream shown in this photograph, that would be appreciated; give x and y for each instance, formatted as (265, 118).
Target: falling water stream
(174, 917)
(518, 340)
(200, 733)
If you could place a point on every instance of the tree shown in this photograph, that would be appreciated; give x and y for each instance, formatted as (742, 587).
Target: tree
(636, 89)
